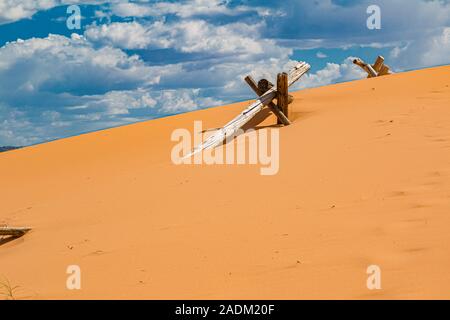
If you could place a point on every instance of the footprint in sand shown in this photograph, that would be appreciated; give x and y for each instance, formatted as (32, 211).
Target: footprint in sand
(73, 245)
(419, 206)
(97, 253)
(397, 194)
(415, 250)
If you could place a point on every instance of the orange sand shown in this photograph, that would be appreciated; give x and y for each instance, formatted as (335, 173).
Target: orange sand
(364, 179)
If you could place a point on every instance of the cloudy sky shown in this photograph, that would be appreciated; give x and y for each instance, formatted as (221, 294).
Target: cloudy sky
(137, 60)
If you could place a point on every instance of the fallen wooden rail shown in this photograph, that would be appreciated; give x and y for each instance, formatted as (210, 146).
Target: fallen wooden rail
(378, 69)
(264, 100)
(14, 232)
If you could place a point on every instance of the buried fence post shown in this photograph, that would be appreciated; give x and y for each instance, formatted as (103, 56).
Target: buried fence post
(376, 70)
(384, 70)
(282, 119)
(379, 63)
(282, 93)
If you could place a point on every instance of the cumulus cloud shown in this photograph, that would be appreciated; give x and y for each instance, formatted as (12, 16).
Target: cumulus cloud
(175, 101)
(232, 51)
(118, 102)
(184, 9)
(13, 10)
(68, 65)
(15, 128)
(128, 35)
(337, 22)
(430, 50)
(185, 36)
(332, 73)
(58, 86)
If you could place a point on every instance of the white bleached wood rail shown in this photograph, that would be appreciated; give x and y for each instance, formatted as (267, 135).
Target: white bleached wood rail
(14, 232)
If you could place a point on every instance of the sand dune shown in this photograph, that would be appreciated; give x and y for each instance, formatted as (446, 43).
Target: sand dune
(364, 179)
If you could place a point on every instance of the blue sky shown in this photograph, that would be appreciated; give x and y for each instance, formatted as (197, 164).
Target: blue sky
(137, 60)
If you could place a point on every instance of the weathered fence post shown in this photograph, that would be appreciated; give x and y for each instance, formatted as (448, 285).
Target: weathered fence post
(282, 93)
(378, 69)
(384, 70)
(378, 64)
(282, 119)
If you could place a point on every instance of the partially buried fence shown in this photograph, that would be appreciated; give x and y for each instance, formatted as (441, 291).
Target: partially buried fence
(267, 93)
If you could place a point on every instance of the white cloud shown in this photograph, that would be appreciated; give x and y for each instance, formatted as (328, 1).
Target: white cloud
(127, 9)
(42, 80)
(12, 126)
(236, 38)
(130, 35)
(439, 49)
(332, 73)
(13, 10)
(175, 101)
(229, 52)
(61, 64)
(344, 22)
(429, 50)
(43, 97)
(120, 102)
(185, 36)
(184, 9)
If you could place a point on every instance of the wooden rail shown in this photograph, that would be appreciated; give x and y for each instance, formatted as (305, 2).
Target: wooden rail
(282, 93)
(14, 232)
